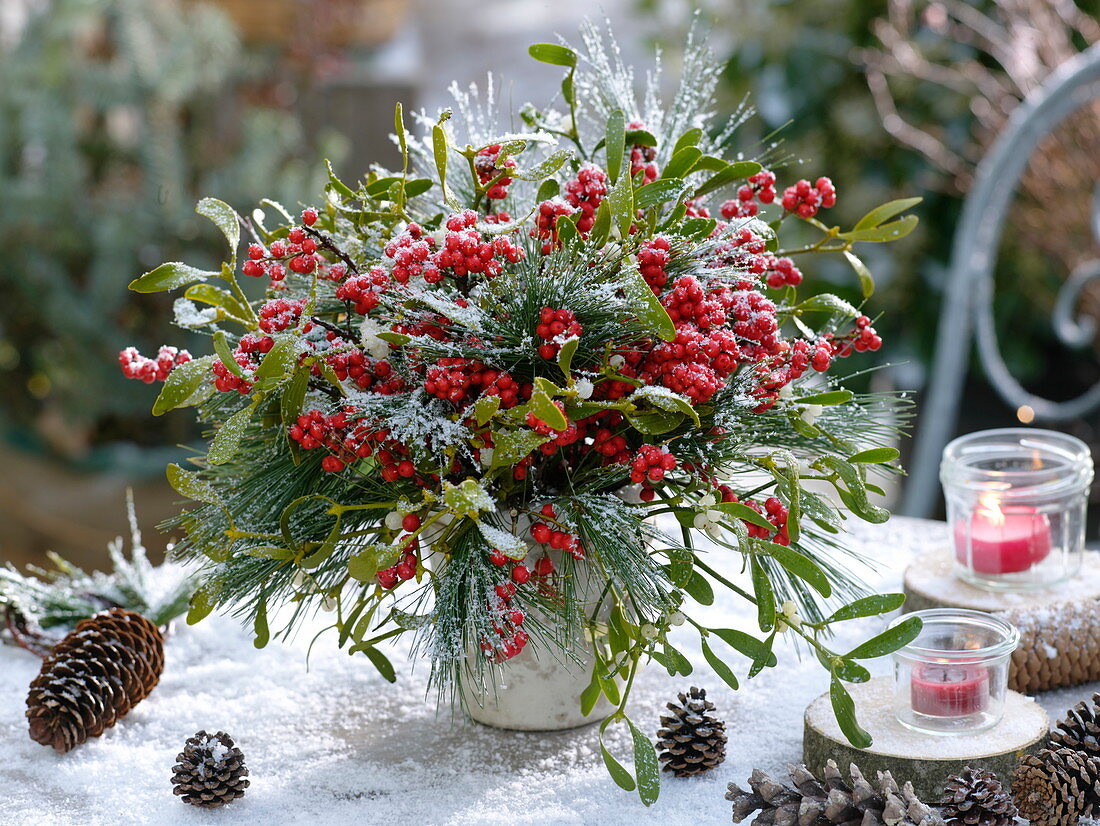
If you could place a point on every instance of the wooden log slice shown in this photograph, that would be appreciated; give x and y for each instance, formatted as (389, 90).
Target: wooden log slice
(925, 760)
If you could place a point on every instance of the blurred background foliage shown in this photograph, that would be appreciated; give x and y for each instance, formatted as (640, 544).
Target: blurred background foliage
(115, 117)
(902, 97)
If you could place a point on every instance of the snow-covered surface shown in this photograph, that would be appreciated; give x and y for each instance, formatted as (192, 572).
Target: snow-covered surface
(336, 744)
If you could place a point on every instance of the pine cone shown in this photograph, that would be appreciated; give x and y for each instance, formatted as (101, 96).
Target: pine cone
(1080, 729)
(977, 798)
(830, 803)
(210, 771)
(1057, 787)
(95, 675)
(691, 739)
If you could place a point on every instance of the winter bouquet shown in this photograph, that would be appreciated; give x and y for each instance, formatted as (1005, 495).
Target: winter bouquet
(479, 390)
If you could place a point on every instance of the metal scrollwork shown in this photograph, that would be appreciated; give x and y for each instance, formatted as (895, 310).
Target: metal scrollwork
(969, 297)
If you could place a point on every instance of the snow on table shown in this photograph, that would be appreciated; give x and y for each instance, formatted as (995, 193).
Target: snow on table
(334, 743)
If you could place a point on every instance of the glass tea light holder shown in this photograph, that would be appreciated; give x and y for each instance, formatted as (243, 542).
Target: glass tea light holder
(1016, 501)
(952, 679)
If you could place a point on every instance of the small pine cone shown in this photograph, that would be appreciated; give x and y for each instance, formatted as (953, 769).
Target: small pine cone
(977, 798)
(1080, 729)
(1057, 787)
(94, 676)
(832, 801)
(210, 771)
(691, 739)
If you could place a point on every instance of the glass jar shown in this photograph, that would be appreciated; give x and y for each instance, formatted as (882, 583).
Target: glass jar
(1016, 501)
(952, 679)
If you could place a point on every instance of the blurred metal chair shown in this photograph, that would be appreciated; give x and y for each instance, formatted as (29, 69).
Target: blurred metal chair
(968, 299)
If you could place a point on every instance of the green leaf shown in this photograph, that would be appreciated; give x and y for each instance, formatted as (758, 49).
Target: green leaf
(217, 297)
(875, 456)
(601, 226)
(228, 438)
(224, 218)
(699, 589)
(566, 353)
(324, 550)
(279, 359)
(339, 186)
(886, 232)
(439, 150)
(885, 212)
(646, 767)
(623, 779)
(727, 175)
(745, 513)
(190, 485)
(827, 399)
(668, 401)
(620, 200)
(544, 408)
(751, 647)
(888, 641)
(221, 347)
(182, 383)
(870, 606)
(202, 603)
(418, 186)
(654, 422)
(380, 661)
(765, 596)
(827, 302)
(485, 408)
(590, 696)
(615, 144)
(720, 668)
(365, 564)
(541, 171)
(399, 130)
(169, 276)
(802, 567)
(682, 162)
(259, 625)
(856, 495)
(294, 396)
(844, 708)
(640, 137)
(689, 138)
(658, 192)
(866, 280)
(851, 672)
(650, 310)
(553, 53)
(547, 190)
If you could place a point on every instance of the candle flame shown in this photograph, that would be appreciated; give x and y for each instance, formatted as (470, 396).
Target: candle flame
(989, 506)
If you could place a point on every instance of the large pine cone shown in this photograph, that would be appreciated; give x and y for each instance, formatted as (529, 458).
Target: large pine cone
(833, 802)
(210, 771)
(1057, 787)
(95, 675)
(977, 798)
(691, 739)
(1080, 729)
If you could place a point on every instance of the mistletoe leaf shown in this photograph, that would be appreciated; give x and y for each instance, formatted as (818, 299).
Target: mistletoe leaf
(190, 485)
(646, 767)
(844, 707)
(885, 212)
(871, 606)
(228, 438)
(182, 383)
(224, 218)
(615, 144)
(720, 668)
(883, 233)
(169, 276)
(889, 641)
(553, 54)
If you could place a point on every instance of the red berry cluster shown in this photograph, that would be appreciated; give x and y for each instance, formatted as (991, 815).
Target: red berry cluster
(775, 512)
(363, 291)
(403, 570)
(248, 354)
(461, 380)
(463, 251)
(280, 314)
(485, 163)
(507, 619)
(136, 366)
(586, 192)
(376, 375)
(571, 434)
(650, 465)
(865, 338)
(298, 253)
(642, 157)
(687, 301)
(790, 364)
(554, 327)
(559, 540)
(760, 187)
(546, 223)
(782, 272)
(805, 199)
(653, 257)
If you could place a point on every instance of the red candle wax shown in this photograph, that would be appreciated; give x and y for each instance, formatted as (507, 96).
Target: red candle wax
(949, 689)
(1003, 540)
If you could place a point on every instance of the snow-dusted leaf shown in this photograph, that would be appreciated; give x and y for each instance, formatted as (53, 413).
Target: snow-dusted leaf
(467, 498)
(510, 446)
(169, 276)
(504, 541)
(190, 485)
(646, 767)
(667, 400)
(228, 438)
(485, 408)
(649, 308)
(182, 383)
(224, 218)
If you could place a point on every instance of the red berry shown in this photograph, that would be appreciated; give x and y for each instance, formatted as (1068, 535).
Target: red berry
(411, 522)
(521, 574)
(544, 566)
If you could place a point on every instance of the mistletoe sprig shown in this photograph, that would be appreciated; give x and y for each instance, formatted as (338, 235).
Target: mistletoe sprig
(472, 383)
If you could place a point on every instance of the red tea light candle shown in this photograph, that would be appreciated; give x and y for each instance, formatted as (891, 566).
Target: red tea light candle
(1002, 540)
(949, 689)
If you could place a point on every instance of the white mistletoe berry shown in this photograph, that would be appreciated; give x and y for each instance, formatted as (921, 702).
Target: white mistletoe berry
(393, 520)
(584, 388)
(789, 617)
(810, 413)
